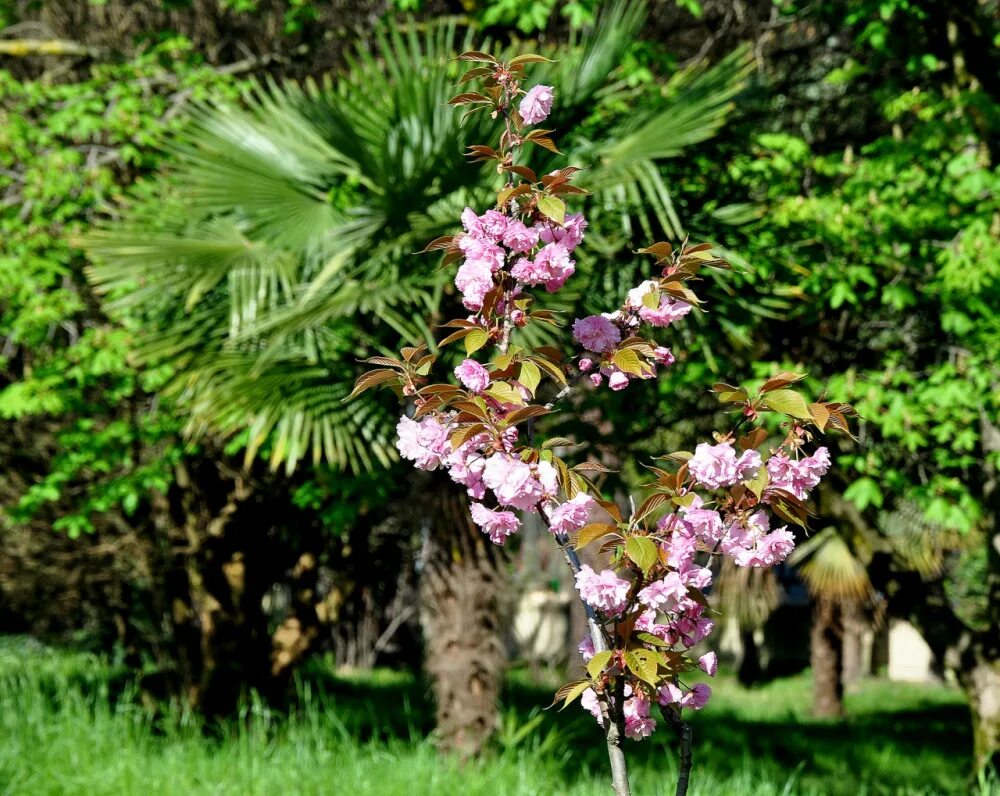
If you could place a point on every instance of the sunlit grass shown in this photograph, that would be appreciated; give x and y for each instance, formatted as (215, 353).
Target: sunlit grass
(69, 725)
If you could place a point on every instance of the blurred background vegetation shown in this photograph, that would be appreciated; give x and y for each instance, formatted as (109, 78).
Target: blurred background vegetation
(208, 210)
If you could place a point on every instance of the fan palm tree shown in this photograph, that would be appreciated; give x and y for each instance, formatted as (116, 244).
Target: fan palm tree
(279, 251)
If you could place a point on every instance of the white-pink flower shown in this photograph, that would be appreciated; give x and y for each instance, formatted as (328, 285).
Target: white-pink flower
(498, 525)
(518, 237)
(618, 381)
(570, 234)
(663, 595)
(715, 466)
(596, 333)
(425, 443)
(474, 279)
(536, 104)
(670, 310)
(709, 663)
(473, 375)
(571, 515)
(638, 723)
(798, 477)
(603, 591)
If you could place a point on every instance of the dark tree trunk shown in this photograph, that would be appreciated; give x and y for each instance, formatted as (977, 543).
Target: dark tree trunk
(750, 671)
(462, 587)
(826, 655)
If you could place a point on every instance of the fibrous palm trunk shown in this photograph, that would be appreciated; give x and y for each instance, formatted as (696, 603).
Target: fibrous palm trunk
(461, 587)
(826, 654)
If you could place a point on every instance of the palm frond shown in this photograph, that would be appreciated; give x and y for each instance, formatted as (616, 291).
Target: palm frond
(830, 568)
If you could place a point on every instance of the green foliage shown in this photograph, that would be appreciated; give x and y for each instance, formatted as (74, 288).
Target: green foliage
(65, 150)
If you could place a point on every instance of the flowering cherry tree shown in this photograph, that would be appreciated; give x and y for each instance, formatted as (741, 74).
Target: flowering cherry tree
(735, 496)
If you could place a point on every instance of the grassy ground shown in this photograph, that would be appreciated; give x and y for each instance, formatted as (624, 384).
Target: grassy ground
(62, 733)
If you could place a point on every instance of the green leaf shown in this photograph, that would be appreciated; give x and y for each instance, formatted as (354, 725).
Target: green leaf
(643, 552)
(788, 402)
(529, 376)
(643, 665)
(475, 340)
(504, 393)
(552, 207)
(628, 361)
(596, 664)
(758, 483)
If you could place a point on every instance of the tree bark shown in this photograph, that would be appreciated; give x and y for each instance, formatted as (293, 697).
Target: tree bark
(826, 657)
(461, 587)
(980, 678)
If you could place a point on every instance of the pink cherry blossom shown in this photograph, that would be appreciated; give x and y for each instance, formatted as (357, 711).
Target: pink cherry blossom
(512, 481)
(494, 225)
(664, 594)
(472, 223)
(669, 694)
(603, 591)
(670, 310)
(474, 279)
(715, 466)
(536, 104)
(697, 697)
(498, 525)
(571, 515)
(570, 234)
(618, 381)
(596, 333)
(425, 443)
(518, 237)
(663, 356)
(638, 723)
(709, 663)
(798, 477)
(586, 648)
(473, 375)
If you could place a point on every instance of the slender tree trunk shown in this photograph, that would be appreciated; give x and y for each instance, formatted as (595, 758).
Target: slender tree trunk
(826, 657)
(854, 656)
(461, 587)
(980, 678)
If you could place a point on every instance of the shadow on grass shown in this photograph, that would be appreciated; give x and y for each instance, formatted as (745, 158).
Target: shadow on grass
(889, 743)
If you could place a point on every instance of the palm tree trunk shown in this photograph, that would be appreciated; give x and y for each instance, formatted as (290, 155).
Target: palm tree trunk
(461, 588)
(826, 655)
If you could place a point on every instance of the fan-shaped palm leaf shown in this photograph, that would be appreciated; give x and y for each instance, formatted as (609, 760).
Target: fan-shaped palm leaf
(280, 249)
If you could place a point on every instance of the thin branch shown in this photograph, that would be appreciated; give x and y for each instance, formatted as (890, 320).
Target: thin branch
(683, 730)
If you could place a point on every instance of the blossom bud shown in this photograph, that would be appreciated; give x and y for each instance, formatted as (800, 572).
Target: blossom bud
(595, 379)
(586, 364)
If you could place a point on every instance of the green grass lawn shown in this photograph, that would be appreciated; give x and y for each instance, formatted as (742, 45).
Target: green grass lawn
(62, 732)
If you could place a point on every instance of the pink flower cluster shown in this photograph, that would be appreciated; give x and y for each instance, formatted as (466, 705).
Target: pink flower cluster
(715, 466)
(638, 723)
(603, 591)
(602, 334)
(798, 476)
(536, 104)
(666, 608)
